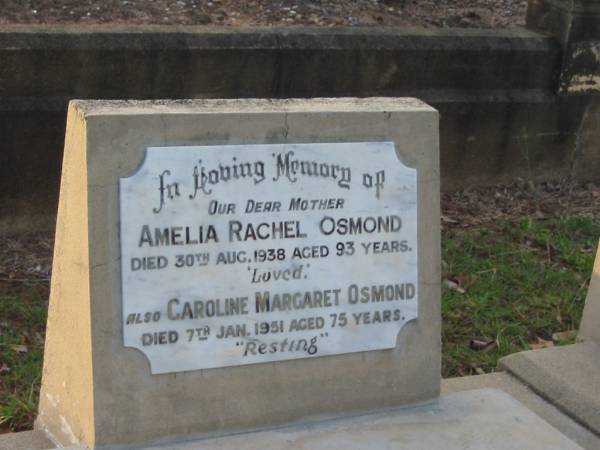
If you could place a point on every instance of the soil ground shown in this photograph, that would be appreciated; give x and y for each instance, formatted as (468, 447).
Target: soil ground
(243, 13)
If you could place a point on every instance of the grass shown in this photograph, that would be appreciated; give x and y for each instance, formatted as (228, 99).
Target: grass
(522, 282)
(514, 283)
(23, 308)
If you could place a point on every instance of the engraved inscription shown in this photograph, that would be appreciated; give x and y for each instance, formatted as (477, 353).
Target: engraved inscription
(246, 254)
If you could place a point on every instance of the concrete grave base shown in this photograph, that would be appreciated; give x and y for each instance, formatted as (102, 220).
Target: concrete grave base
(473, 419)
(542, 407)
(30, 440)
(567, 375)
(477, 419)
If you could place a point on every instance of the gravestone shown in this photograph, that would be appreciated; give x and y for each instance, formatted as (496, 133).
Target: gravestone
(226, 265)
(589, 329)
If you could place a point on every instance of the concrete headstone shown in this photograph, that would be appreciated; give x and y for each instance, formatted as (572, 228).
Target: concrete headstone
(224, 265)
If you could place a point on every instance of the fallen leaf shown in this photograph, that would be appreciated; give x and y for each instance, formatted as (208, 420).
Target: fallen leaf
(39, 338)
(540, 343)
(453, 286)
(482, 345)
(563, 335)
(4, 368)
(461, 371)
(20, 348)
(449, 219)
(459, 279)
(477, 369)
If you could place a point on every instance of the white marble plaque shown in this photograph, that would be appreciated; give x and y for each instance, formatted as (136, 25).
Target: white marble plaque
(243, 254)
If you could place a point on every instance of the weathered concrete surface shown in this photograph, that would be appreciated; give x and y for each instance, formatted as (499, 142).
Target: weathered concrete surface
(481, 419)
(576, 26)
(533, 137)
(581, 68)
(568, 377)
(568, 20)
(120, 402)
(478, 419)
(304, 62)
(590, 321)
(525, 395)
(67, 373)
(585, 160)
(495, 89)
(25, 440)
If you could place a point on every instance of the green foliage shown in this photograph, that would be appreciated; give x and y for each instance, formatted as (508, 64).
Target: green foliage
(522, 281)
(23, 309)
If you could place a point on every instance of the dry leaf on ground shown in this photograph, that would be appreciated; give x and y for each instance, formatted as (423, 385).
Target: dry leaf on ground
(20, 348)
(564, 335)
(454, 286)
(540, 343)
(482, 345)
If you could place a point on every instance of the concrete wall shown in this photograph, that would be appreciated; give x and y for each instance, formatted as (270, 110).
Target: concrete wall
(496, 91)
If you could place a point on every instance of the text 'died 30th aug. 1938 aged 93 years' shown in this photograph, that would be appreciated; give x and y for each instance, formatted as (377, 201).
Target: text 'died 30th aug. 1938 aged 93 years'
(243, 254)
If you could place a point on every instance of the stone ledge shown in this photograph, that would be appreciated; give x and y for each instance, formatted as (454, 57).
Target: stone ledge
(566, 376)
(477, 419)
(25, 440)
(509, 384)
(140, 37)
